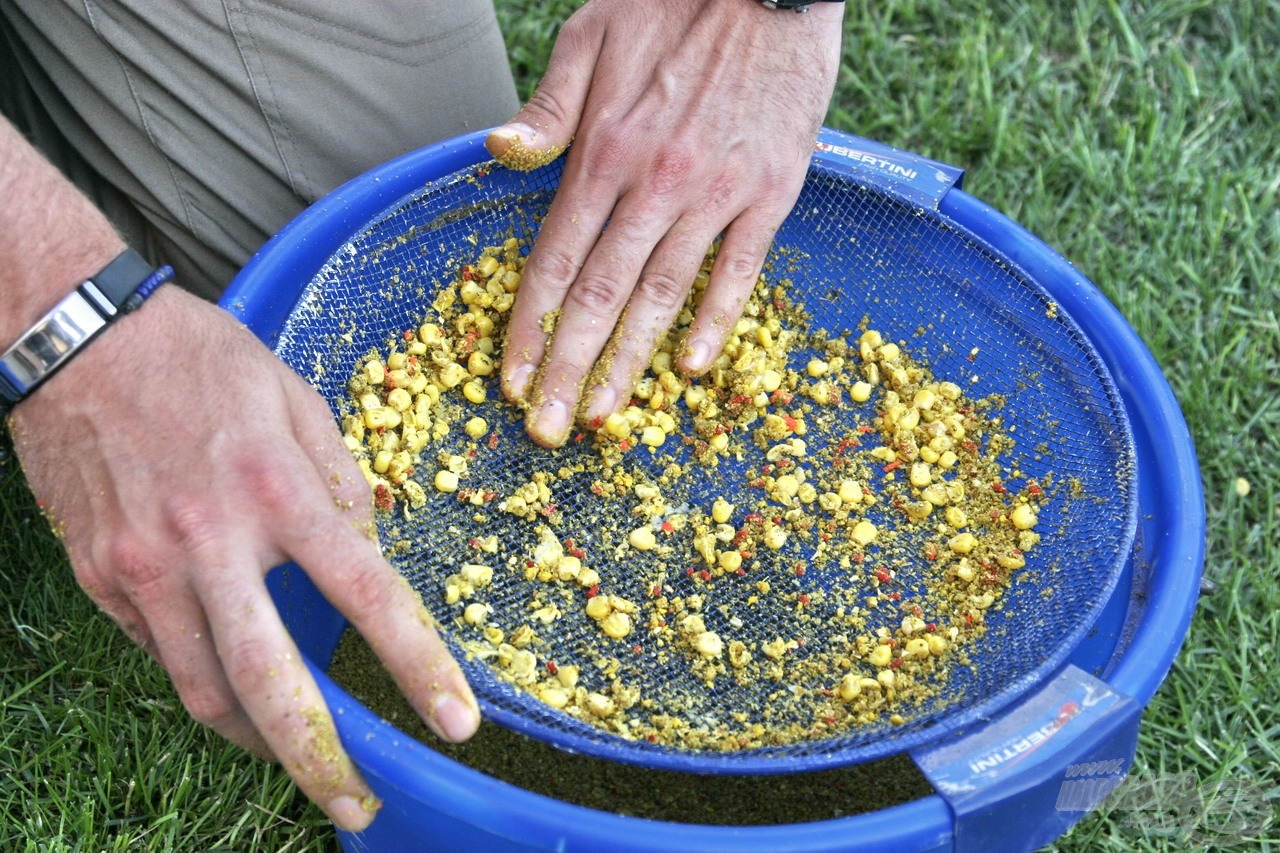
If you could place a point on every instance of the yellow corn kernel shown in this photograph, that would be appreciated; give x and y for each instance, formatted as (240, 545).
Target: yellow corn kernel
(880, 656)
(474, 391)
(399, 399)
(480, 364)
(475, 613)
(708, 644)
(375, 372)
(446, 481)
(642, 539)
(849, 688)
(616, 625)
(864, 532)
(920, 475)
(963, 543)
(598, 607)
(730, 561)
(476, 427)
(1023, 517)
(652, 436)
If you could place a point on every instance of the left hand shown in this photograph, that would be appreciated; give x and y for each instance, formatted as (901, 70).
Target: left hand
(689, 119)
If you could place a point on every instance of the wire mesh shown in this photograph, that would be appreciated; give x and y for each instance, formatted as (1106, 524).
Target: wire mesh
(848, 252)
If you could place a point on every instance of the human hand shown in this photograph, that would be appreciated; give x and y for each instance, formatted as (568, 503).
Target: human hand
(179, 461)
(689, 119)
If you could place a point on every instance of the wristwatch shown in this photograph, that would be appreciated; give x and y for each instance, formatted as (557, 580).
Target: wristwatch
(39, 352)
(794, 5)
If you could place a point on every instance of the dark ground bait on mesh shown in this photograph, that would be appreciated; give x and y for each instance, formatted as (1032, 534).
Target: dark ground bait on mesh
(636, 791)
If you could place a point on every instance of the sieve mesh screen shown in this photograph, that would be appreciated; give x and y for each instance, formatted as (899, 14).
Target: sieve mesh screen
(848, 252)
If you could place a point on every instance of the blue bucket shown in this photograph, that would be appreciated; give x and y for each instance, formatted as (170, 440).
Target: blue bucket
(1012, 781)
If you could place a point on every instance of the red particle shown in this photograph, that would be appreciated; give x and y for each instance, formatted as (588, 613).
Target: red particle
(475, 542)
(637, 649)
(493, 441)
(895, 663)
(705, 575)
(625, 444)
(552, 668)
(895, 596)
(739, 571)
(882, 575)
(596, 422)
(791, 422)
(577, 438)
(894, 464)
(593, 591)
(655, 591)
(931, 627)
(998, 487)
(803, 599)
(799, 570)
(667, 527)
(467, 274)
(408, 334)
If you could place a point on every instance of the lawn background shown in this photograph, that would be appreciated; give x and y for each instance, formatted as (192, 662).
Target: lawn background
(1141, 140)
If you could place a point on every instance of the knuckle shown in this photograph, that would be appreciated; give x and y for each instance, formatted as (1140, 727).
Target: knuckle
(194, 524)
(248, 663)
(671, 169)
(555, 268)
(598, 295)
(208, 705)
(662, 290)
(544, 102)
(606, 154)
(370, 594)
(739, 266)
(134, 565)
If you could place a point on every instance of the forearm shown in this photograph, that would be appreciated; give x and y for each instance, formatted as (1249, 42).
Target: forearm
(51, 235)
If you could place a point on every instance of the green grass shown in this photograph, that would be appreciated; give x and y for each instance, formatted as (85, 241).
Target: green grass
(1139, 139)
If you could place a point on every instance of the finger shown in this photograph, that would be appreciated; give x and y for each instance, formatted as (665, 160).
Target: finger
(267, 673)
(331, 536)
(590, 313)
(656, 301)
(546, 123)
(571, 228)
(162, 616)
(184, 647)
(733, 276)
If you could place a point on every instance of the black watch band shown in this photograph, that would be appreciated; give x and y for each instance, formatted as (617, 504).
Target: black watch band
(794, 5)
(39, 352)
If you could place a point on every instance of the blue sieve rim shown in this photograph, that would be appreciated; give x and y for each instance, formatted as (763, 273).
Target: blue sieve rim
(304, 246)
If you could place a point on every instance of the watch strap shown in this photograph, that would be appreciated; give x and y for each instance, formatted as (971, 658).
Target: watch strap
(120, 287)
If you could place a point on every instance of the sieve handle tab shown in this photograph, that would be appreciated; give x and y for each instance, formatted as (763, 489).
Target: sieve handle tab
(1018, 782)
(917, 180)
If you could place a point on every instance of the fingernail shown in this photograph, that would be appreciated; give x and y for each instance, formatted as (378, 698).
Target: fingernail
(518, 381)
(351, 814)
(458, 720)
(518, 130)
(698, 357)
(550, 423)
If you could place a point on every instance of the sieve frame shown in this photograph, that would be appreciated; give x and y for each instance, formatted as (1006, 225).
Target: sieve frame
(261, 303)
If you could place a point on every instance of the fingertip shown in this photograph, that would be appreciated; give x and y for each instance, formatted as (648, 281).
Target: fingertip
(549, 424)
(515, 381)
(516, 145)
(696, 358)
(456, 717)
(353, 814)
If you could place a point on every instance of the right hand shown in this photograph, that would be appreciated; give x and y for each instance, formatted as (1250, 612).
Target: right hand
(179, 461)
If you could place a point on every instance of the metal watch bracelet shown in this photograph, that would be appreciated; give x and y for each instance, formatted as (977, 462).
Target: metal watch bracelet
(55, 338)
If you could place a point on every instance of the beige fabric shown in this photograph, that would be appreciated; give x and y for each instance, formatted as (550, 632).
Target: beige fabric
(217, 121)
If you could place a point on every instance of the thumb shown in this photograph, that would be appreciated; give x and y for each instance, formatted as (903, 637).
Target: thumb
(547, 122)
